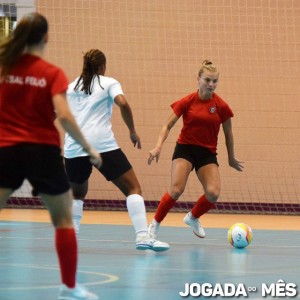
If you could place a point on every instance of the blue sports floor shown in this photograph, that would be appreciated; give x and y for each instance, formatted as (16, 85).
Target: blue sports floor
(111, 267)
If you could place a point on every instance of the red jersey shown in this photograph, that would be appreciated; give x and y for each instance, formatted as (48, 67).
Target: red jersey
(26, 108)
(201, 119)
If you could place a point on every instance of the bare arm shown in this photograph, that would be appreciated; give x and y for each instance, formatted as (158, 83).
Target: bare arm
(233, 162)
(155, 152)
(68, 123)
(127, 117)
(61, 135)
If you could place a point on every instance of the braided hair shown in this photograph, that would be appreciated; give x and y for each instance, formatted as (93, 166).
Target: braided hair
(93, 60)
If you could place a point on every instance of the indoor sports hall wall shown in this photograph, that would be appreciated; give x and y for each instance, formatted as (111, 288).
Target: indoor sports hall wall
(155, 48)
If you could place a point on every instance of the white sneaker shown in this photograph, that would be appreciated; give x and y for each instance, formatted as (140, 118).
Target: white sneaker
(79, 292)
(194, 224)
(147, 242)
(153, 228)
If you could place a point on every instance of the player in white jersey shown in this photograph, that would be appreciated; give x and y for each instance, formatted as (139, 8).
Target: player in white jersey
(91, 98)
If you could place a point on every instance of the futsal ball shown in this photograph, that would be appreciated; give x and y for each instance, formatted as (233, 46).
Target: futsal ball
(240, 235)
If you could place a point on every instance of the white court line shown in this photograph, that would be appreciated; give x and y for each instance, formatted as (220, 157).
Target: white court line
(110, 278)
(253, 246)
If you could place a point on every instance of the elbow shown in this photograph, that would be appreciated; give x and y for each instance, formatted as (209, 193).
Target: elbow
(64, 118)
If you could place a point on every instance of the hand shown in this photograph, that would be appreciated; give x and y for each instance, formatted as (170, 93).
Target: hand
(236, 164)
(95, 158)
(153, 154)
(135, 139)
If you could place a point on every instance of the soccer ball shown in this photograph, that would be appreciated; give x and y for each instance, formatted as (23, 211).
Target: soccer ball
(240, 235)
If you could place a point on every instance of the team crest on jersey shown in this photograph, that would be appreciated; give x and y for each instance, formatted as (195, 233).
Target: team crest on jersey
(212, 109)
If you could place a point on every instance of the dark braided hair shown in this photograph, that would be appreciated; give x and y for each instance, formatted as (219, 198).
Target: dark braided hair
(30, 30)
(93, 60)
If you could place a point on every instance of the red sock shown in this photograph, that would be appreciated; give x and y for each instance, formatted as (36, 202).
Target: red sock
(165, 204)
(66, 248)
(201, 207)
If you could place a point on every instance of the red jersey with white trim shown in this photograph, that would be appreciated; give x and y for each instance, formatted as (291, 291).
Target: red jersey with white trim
(26, 107)
(201, 119)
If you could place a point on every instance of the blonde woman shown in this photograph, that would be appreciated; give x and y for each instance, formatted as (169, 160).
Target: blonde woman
(203, 112)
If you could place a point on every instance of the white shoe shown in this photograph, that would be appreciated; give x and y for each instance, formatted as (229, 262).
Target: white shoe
(146, 242)
(194, 224)
(153, 228)
(79, 292)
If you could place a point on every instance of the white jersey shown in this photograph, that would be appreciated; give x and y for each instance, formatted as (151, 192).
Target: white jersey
(93, 115)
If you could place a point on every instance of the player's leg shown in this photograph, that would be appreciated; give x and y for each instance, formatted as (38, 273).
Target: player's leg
(78, 171)
(79, 194)
(209, 177)
(181, 169)
(44, 169)
(60, 209)
(128, 184)
(117, 169)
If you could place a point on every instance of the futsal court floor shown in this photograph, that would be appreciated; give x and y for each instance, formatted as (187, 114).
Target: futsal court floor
(111, 267)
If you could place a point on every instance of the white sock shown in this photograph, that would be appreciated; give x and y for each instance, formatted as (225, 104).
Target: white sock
(137, 212)
(155, 223)
(77, 210)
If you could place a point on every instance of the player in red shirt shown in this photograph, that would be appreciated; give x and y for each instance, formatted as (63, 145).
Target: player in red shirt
(31, 91)
(202, 112)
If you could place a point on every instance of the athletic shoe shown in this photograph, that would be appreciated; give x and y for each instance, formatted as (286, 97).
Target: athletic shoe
(153, 228)
(194, 224)
(79, 292)
(146, 242)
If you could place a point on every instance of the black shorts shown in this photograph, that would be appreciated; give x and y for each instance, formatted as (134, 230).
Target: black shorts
(42, 165)
(198, 156)
(115, 164)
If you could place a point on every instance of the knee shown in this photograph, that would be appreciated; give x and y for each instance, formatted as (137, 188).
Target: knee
(79, 196)
(138, 190)
(212, 194)
(79, 193)
(176, 193)
(135, 190)
(64, 221)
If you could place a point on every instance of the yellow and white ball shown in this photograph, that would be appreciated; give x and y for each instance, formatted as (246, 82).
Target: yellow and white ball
(240, 235)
